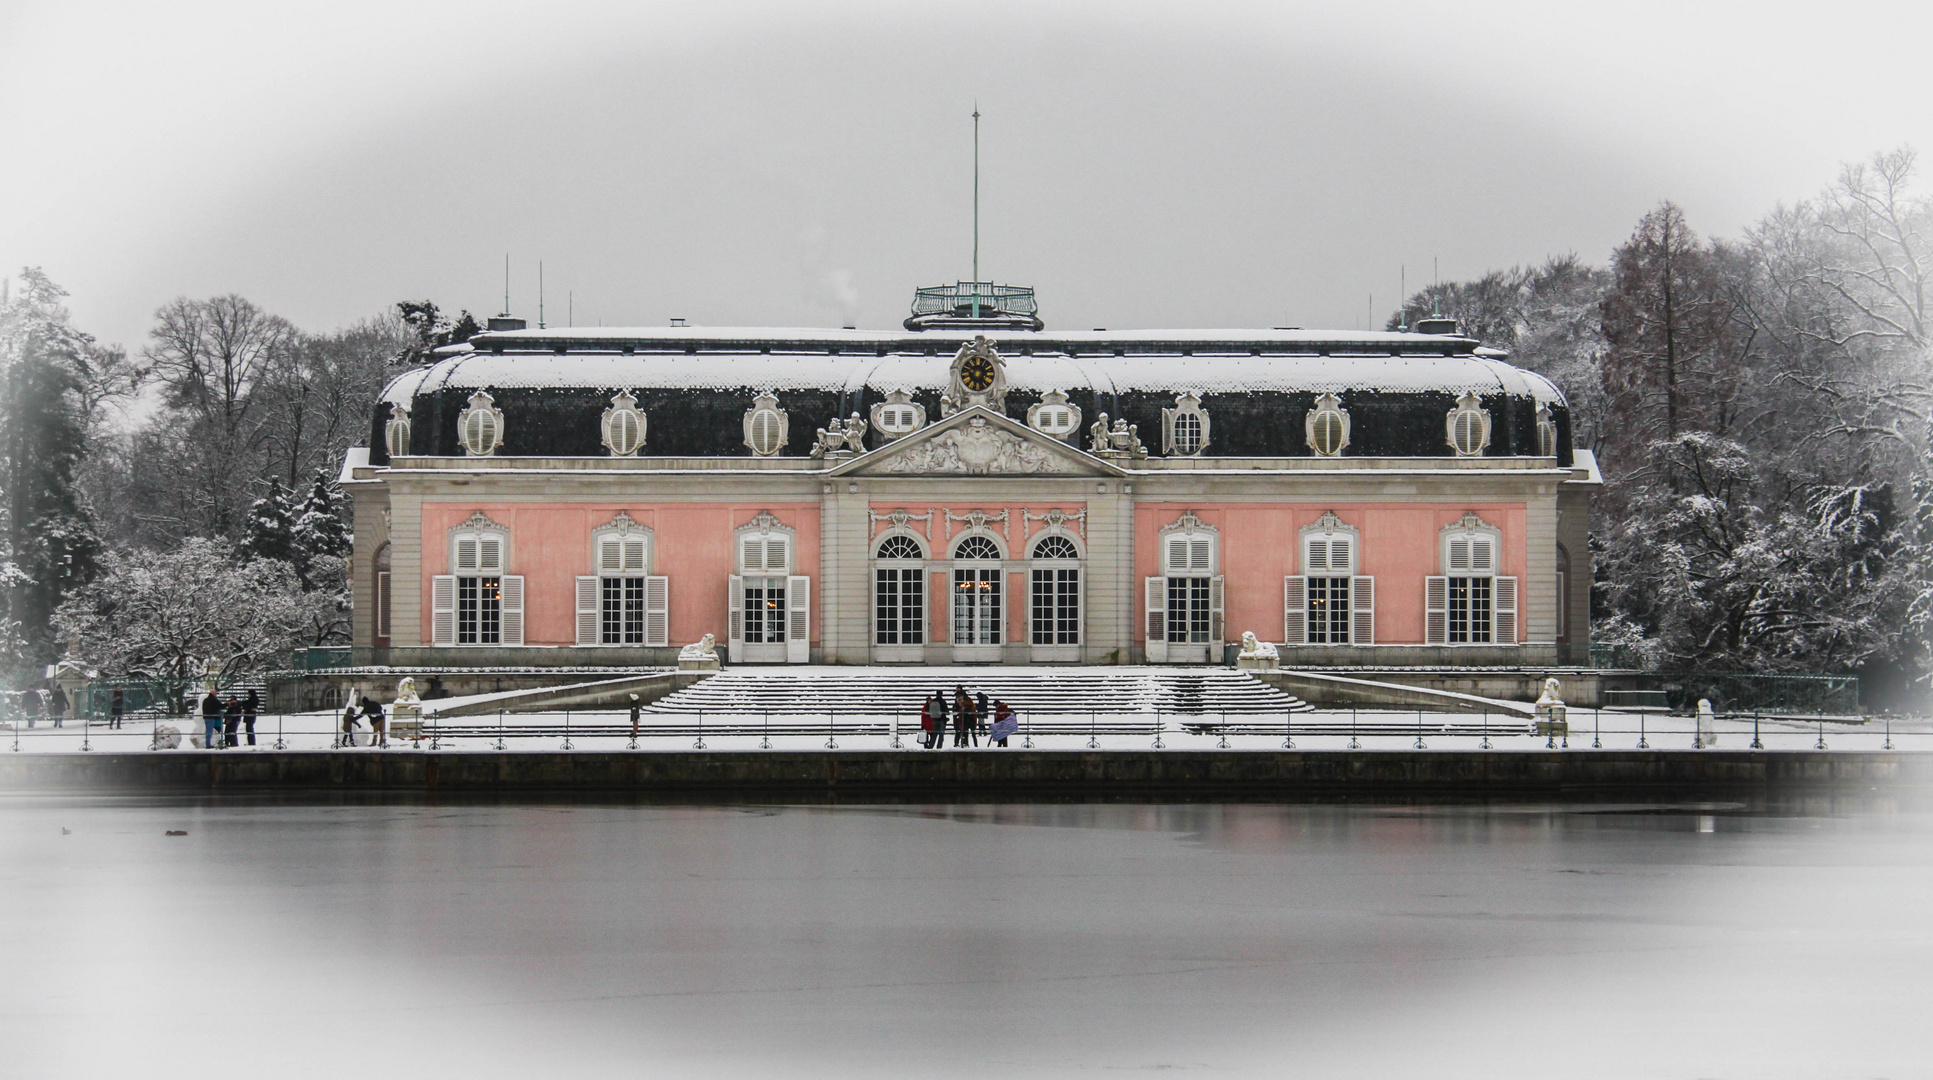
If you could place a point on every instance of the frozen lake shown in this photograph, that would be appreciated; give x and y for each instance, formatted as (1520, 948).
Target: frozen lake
(972, 941)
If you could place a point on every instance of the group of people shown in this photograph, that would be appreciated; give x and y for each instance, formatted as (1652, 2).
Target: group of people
(971, 715)
(224, 721)
(367, 709)
(28, 705)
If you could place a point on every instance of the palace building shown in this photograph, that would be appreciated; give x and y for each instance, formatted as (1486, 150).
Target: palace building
(973, 489)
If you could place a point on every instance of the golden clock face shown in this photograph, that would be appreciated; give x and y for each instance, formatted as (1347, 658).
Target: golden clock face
(977, 373)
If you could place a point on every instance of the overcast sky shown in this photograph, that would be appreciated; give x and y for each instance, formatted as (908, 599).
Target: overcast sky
(740, 162)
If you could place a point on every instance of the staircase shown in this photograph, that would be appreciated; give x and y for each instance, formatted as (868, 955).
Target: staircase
(847, 691)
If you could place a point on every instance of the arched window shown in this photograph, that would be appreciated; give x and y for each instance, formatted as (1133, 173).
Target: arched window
(396, 431)
(899, 591)
(480, 427)
(1184, 602)
(976, 591)
(1546, 433)
(477, 603)
(621, 602)
(383, 593)
(1468, 426)
(1056, 580)
(1329, 603)
(1470, 603)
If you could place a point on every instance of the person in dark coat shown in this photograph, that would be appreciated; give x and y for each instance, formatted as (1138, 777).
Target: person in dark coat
(634, 719)
(211, 721)
(30, 706)
(982, 713)
(232, 713)
(349, 724)
(962, 716)
(117, 707)
(58, 706)
(251, 706)
(372, 712)
(936, 734)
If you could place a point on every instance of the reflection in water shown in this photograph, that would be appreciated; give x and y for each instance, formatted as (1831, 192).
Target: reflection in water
(972, 940)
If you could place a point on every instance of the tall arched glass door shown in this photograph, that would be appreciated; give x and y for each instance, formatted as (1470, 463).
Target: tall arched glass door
(977, 598)
(899, 599)
(1054, 608)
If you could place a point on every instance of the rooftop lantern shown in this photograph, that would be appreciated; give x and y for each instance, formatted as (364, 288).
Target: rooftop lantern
(974, 305)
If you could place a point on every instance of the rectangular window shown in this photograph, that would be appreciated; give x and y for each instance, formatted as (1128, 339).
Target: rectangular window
(1329, 610)
(479, 611)
(382, 604)
(1470, 610)
(976, 606)
(1188, 610)
(900, 605)
(764, 611)
(621, 611)
(1057, 606)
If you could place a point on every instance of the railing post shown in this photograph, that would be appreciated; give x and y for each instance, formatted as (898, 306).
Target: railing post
(567, 731)
(700, 744)
(1756, 744)
(1485, 744)
(1354, 743)
(1889, 732)
(1223, 744)
(1420, 744)
(1157, 728)
(500, 742)
(1642, 744)
(765, 743)
(87, 744)
(1597, 743)
(892, 720)
(1093, 739)
(280, 743)
(1288, 729)
(1821, 744)
(831, 742)
(1028, 742)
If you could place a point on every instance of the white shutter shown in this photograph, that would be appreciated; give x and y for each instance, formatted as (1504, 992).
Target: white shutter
(1157, 597)
(466, 553)
(1459, 555)
(589, 595)
(752, 555)
(1504, 611)
(1295, 610)
(1198, 554)
(1436, 610)
(735, 617)
(1215, 636)
(1318, 557)
(798, 614)
(657, 610)
(634, 555)
(1177, 556)
(513, 609)
(1480, 555)
(610, 556)
(489, 554)
(1362, 611)
(775, 559)
(1339, 556)
(443, 610)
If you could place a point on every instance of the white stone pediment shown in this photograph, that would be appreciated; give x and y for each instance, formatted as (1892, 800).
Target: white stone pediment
(977, 442)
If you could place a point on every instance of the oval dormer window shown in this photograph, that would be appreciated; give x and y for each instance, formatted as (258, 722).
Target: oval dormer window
(898, 415)
(1054, 416)
(1185, 427)
(1469, 426)
(765, 426)
(481, 426)
(1546, 433)
(396, 432)
(623, 426)
(1328, 426)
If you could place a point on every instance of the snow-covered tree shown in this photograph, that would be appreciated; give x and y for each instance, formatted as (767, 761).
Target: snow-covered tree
(164, 615)
(269, 531)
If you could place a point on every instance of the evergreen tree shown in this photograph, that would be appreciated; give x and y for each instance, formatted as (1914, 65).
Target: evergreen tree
(320, 532)
(269, 531)
(48, 541)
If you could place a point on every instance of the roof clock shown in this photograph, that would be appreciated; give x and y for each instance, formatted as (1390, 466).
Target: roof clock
(979, 377)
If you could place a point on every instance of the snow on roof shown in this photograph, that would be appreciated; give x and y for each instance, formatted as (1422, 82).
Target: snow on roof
(1164, 372)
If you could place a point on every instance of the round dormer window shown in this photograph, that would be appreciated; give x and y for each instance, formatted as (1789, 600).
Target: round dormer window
(765, 426)
(396, 432)
(480, 428)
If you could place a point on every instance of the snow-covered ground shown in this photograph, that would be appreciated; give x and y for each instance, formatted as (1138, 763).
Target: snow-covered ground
(1321, 730)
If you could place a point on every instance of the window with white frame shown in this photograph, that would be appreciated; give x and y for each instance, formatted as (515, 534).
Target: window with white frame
(1054, 415)
(477, 603)
(1056, 574)
(1184, 428)
(1327, 426)
(622, 602)
(977, 592)
(1184, 603)
(769, 606)
(1329, 603)
(480, 426)
(898, 415)
(1470, 603)
(1468, 426)
(899, 591)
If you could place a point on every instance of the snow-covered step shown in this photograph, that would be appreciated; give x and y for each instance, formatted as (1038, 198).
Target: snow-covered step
(878, 690)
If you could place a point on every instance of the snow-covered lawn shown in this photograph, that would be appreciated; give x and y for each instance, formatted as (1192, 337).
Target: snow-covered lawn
(1321, 730)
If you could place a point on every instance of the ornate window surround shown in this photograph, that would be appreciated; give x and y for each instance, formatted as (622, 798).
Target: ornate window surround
(900, 520)
(764, 526)
(1190, 527)
(623, 405)
(1470, 415)
(396, 431)
(1325, 527)
(953, 545)
(486, 419)
(763, 404)
(1546, 432)
(1469, 527)
(1056, 399)
(623, 527)
(1187, 404)
(1326, 406)
(898, 399)
(1056, 518)
(477, 526)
